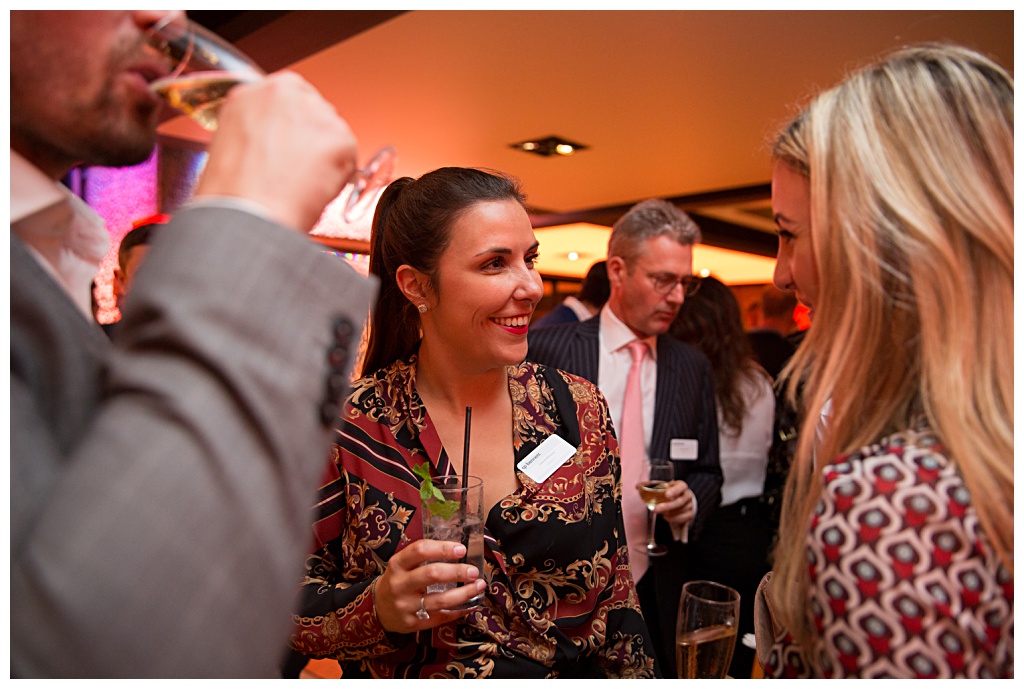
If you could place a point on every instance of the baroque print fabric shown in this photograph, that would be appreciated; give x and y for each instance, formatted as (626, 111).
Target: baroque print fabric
(903, 581)
(559, 601)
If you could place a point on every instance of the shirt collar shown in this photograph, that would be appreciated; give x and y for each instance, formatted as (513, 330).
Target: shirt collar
(66, 236)
(31, 189)
(615, 334)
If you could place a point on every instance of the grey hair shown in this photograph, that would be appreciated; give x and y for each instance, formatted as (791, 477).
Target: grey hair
(648, 219)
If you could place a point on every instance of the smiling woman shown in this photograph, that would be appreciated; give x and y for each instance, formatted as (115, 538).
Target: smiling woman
(456, 256)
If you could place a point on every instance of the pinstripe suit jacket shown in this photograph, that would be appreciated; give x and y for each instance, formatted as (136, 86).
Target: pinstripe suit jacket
(684, 405)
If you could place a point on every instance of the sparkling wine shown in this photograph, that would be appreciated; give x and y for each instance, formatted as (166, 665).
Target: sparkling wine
(705, 653)
(199, 95)
(652, 492)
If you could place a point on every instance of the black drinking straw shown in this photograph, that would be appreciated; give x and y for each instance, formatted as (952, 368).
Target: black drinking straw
(465, 477)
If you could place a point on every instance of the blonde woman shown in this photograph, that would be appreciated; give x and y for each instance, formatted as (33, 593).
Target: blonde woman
(893, 195)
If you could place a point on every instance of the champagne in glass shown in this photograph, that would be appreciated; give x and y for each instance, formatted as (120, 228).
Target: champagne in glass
(706, 630)
(203, 68)
(657, 474)
(652, 492)
(199, 95)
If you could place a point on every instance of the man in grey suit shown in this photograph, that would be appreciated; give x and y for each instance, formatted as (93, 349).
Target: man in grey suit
(161, 483)
(650, 270)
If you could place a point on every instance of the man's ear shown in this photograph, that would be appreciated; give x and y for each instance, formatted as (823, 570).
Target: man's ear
(616, 270)
(414, 285)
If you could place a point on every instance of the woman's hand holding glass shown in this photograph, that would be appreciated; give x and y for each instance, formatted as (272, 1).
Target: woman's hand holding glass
(401, 592)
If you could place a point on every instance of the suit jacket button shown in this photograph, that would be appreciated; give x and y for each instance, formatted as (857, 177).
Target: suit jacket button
(329, 412)
(343, 330)
(337, 357)
(337, 384)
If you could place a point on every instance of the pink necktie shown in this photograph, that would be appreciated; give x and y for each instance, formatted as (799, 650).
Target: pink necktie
(632, 458)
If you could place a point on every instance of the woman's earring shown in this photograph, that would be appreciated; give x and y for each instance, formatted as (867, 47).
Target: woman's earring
(422, 308)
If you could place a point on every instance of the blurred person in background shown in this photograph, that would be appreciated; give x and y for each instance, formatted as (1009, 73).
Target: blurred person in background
(131, 252)
(733, 549)
(773, 339)
(585, 304)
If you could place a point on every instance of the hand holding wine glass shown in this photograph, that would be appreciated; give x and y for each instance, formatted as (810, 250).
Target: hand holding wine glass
(204, 68)
(654, 481)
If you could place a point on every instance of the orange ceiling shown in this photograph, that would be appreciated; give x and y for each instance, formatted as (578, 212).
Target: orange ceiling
(671, 103)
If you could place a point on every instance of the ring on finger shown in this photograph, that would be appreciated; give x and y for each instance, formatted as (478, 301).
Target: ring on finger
(422, 612)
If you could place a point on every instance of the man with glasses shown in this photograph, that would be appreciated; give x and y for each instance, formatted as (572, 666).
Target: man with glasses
(660, 394)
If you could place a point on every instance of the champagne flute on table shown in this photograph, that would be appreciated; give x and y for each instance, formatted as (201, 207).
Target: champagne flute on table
(706, 626)
(656, 475)
(204, 67)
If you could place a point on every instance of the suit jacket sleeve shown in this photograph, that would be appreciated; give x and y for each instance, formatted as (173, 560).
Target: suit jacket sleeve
(705, 476)
(167, 537)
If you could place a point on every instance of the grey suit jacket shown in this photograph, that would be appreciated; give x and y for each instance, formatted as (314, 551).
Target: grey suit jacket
(161, 483)
(684, 405)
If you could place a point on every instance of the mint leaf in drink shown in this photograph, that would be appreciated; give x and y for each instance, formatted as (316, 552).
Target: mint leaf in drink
(432, 498)
(427, 489)
(445, 509)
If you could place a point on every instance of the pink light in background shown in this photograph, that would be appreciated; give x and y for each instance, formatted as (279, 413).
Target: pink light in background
(121, 196)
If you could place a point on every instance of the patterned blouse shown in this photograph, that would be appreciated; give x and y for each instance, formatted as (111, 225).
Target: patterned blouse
(560, 600)
(904, 582)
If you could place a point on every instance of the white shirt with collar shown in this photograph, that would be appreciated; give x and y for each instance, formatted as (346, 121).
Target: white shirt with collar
(614, 361)
(66, 236)
(582, 311)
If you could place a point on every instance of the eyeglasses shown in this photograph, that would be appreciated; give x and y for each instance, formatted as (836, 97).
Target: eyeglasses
(664, 283)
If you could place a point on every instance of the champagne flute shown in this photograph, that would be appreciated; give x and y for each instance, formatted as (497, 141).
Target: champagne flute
(657, 474)
(204, 67)
(706, 626)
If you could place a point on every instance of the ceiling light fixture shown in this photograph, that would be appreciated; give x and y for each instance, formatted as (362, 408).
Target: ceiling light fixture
(550, 146)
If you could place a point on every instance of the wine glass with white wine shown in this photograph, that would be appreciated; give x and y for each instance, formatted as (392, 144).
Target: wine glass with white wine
(709, 615)
(204, 67)
(656, 474)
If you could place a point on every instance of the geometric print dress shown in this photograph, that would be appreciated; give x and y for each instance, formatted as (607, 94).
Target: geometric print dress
(903, 582)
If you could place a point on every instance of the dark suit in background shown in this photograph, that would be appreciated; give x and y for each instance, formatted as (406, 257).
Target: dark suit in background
(684, 408)
(559, 315)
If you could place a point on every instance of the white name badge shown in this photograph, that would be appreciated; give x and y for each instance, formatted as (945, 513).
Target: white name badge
(549, 455)
(682, 448)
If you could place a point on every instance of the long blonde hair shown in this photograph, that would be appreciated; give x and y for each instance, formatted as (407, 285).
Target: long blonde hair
(910, 163)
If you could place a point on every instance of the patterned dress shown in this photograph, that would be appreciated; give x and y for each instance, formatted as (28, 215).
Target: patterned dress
(904, 582)
(560, 600)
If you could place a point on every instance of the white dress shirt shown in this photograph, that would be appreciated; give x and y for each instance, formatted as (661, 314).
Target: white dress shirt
(66, 236)
(581, 310)
(613, 369)
(614, 361)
